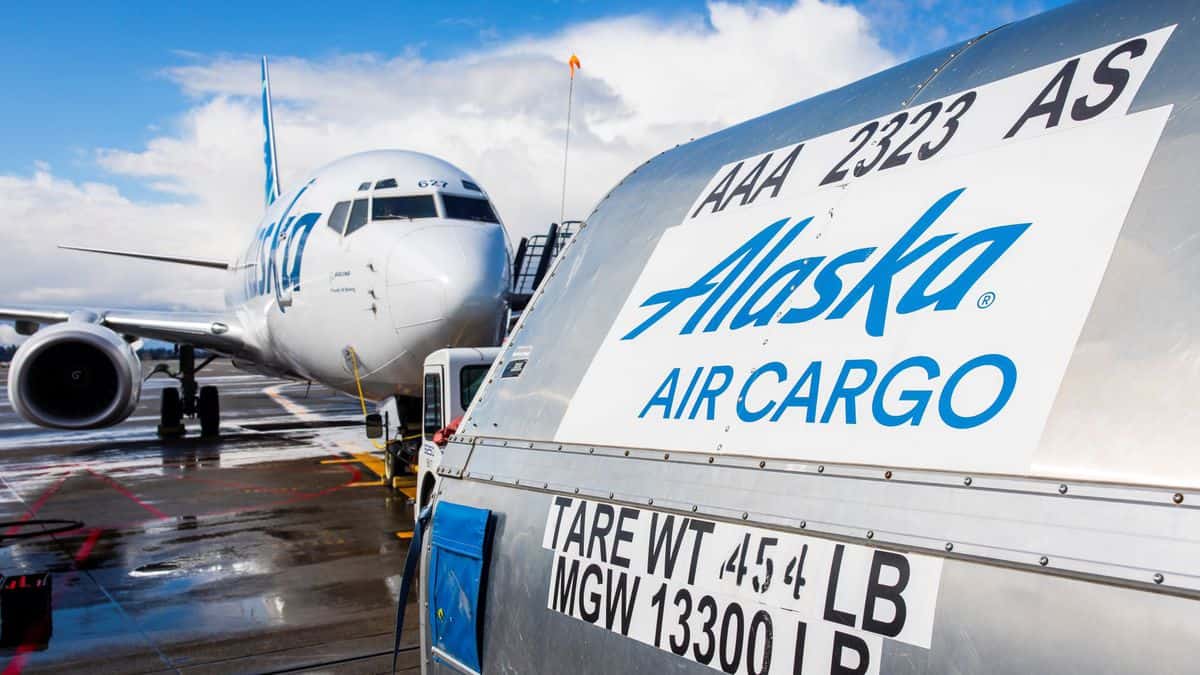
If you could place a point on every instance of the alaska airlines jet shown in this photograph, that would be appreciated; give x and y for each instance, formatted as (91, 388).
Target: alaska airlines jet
(351, 278)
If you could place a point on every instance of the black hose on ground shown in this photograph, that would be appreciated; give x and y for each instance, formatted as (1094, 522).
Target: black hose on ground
(56, 526)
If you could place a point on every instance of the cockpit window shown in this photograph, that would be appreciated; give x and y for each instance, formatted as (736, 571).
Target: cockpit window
(471, 186)
(386, 183)
(468, 208)
(364, 186)
(337, 217)
(358, 215)
(396, 208)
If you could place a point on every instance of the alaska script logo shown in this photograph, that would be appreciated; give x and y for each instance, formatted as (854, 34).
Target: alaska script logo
(742, 291)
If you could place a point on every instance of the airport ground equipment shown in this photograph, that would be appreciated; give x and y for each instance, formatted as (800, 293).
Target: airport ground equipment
(26, 613)
(451, 380)
(533, 258)
(900, 378)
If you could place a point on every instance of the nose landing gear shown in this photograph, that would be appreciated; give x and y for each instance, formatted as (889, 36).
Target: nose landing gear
(184, 401)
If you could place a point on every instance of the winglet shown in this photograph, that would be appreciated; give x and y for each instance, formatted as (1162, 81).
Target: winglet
(270, 157)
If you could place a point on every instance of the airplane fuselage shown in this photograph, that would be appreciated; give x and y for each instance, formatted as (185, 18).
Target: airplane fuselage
(388, 254)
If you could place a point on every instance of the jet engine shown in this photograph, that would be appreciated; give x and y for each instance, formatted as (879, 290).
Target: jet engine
(75, 375)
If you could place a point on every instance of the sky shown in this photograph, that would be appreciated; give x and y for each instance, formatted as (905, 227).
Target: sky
(136, 125)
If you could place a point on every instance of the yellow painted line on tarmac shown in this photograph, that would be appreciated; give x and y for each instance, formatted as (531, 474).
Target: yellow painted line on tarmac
(338, 461)
(367, 483)
(404, 535)
(373, 463)
(287, 404)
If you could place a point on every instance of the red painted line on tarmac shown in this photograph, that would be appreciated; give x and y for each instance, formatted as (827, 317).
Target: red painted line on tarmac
(236, 484)
(17, 663)
(355, 476)
(39, 503)
(132, 497)
(85, 550)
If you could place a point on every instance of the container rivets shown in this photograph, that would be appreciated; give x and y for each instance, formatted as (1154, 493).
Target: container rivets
(576, 490)
(545, 485)
(1044, 561)
(821, 468)
(591, 451)
(626, 453)
(492, 476)
(610, 495)
(967, 481)
(1178, 498)
(695, 508)
(517, 481)
(745, 515)
(1158, 577)
(887, 474)
(710, 460)
(1062, 489)
(762, 464)
(650, 500)
(949, 547)
(531, 445)
(870, 534)
(803, 524)
(666, 455)
(560, 448)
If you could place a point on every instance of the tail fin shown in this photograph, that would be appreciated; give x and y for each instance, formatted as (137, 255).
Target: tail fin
(269, 154)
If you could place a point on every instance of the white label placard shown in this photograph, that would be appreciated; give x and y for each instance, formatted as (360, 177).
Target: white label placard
(904, 292)
(732, 597)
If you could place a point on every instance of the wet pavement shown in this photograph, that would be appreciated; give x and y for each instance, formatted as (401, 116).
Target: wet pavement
(273, 549)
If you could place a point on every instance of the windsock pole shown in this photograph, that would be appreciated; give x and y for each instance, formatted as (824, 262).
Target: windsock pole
(573, 62)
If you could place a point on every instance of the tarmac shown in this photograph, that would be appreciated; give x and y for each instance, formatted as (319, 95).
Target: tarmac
(275, 548)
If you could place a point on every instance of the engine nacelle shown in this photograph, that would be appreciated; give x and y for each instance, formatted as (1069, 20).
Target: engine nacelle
(75, 375)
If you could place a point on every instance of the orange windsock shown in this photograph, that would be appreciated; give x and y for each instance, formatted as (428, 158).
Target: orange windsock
(574, 63)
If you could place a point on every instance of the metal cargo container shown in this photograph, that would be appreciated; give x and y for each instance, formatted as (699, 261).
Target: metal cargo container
(901, 378)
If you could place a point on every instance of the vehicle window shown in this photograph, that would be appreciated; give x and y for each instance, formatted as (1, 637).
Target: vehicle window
(471, 186)
(469, 379)
(364, 186)
(433, 404)
(358, 215)
(337, 217)
(394, 208)
(386, 183)
(468, 208)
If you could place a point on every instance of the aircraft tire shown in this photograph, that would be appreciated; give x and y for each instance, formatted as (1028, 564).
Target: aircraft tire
(209, 411)
(170, 414)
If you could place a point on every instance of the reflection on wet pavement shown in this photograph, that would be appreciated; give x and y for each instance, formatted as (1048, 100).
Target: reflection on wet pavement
(245, 554)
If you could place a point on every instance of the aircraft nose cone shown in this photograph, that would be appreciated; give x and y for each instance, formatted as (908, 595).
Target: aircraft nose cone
(449, 282)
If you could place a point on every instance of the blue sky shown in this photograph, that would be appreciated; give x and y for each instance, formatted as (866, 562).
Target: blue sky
(80, 75)
(138, 124)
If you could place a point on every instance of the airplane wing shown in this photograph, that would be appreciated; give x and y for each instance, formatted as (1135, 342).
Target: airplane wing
(215, 331)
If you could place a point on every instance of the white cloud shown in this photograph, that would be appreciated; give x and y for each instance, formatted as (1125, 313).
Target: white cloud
(646, 85)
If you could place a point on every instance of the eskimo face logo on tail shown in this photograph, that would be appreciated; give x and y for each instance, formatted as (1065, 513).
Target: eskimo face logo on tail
(749, 287)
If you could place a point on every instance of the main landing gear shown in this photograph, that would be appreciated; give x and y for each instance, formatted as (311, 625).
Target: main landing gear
(188, 400)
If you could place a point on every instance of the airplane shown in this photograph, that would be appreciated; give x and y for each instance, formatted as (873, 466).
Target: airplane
(349, 280)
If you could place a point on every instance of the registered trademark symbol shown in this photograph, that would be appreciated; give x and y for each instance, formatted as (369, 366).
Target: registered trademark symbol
(985, 300)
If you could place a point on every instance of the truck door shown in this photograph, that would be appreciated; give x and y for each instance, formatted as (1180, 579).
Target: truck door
(433, 416)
